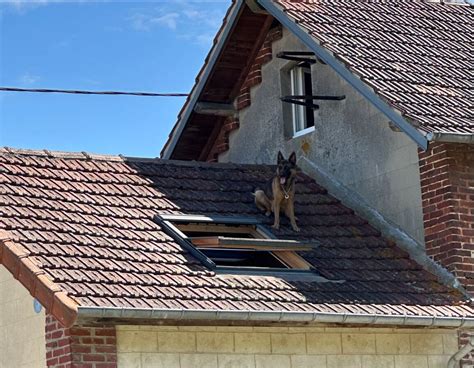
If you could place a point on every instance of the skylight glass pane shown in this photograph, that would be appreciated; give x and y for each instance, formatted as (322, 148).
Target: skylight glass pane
(242, 258)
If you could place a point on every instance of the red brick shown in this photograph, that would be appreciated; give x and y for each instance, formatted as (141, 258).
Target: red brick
(64, 359)
(111, 341)
(106, 365)
(105, 332)
(106, 349)
(93, 358)
(76, 331)
(92, 340)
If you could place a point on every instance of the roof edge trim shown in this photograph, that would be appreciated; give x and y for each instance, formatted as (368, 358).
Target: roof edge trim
(390, 112)
(450, 138)
(170, 145)
(268, 316)
(15, 259)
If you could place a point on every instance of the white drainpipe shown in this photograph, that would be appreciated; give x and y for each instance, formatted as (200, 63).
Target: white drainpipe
(461, 353)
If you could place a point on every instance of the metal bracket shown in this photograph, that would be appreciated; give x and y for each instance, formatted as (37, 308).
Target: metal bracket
(305, 100)
(301, 56)
(295, 101)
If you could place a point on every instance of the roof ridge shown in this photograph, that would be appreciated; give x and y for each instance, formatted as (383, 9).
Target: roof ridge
(82, 155)
(86, 156)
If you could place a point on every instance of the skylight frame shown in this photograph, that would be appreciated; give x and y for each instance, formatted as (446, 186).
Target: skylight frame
(287, 257)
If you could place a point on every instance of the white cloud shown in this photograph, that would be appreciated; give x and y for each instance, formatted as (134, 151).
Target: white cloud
(179, 16)
(28, 79)
(210, 18)
(145, 22)
(22, 6)
(204, 39)
(168, 20)
(140, 22)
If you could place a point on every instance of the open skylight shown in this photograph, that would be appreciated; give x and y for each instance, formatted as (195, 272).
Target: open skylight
(230, 243)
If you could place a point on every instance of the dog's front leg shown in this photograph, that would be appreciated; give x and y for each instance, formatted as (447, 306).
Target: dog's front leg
(290, 213)
(276, 212)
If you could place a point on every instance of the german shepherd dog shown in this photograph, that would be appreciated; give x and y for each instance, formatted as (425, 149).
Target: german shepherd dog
(279, 192)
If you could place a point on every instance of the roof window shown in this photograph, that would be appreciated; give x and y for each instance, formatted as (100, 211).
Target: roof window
(227, 243)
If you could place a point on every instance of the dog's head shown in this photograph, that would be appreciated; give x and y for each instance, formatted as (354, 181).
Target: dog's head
(286, 169)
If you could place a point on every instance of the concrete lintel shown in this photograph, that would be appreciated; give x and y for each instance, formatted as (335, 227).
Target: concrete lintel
(214, 108)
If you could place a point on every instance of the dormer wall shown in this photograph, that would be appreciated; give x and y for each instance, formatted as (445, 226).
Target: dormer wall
(351, 139)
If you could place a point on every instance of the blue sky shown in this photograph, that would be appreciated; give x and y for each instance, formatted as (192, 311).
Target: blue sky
(125, 46)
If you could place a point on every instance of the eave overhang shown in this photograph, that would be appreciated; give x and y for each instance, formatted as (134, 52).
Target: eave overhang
(218, 82)
(15, 259)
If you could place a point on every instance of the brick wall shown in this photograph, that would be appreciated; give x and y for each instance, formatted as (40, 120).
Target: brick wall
(468, 360)
(283, 347)
(254, 77)
(80, 346)
(221, 144)
(447, 186)
(243, 100)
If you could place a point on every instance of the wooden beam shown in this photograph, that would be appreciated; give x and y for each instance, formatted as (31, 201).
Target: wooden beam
(255, 7)
(244, 243)
(214, 108)
(235, 220)
(203, 156)
(251, 56)
(216, 229)
(292, 260)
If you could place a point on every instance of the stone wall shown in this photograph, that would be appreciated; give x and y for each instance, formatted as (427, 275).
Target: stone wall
(22, 342)
(283, 347)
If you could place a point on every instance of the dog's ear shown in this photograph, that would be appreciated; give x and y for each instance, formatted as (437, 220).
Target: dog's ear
(292, 158)
(280, 157)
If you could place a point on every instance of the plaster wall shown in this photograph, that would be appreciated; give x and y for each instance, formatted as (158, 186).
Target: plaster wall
(22, 340)
(352, 140)
(283, 347)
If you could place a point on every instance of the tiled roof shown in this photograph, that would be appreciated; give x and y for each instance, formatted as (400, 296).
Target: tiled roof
(417, 55)
(82, 232)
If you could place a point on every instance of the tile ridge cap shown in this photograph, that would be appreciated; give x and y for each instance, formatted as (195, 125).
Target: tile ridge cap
(87, 156)
(15, 258)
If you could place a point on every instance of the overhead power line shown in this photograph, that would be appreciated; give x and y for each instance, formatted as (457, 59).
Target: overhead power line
(78, 92)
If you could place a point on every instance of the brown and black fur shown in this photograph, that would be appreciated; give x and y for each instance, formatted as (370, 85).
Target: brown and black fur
(272, 197)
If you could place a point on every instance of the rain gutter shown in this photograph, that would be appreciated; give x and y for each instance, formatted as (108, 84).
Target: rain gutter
(451, 138)
(267, 316)
(393, 115)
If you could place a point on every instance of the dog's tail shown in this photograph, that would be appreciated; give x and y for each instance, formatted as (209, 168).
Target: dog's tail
(255, 190)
